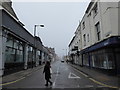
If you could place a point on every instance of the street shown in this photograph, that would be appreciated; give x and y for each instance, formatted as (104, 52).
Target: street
(34, 34)
(63, 76)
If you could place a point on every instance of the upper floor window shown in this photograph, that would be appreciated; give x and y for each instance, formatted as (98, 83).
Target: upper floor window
(98, 31)
(84, 38)
(95, 9)
(83, 24)
(88, 37)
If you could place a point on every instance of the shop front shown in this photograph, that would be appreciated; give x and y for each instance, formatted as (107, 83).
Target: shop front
(103, 56)
(13, 54)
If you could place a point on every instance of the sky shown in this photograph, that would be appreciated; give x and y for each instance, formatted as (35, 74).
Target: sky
(60, 20)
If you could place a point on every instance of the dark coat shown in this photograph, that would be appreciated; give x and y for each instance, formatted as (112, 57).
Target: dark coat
(47, 72)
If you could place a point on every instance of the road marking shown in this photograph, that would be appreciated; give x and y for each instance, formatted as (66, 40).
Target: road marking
(56, 76)
(100, 86)
(72, 76)
(57, 71)
(97, 82)
(102, 83)
(89, 86)
(81, 73)
(12, 82)
(28, 75)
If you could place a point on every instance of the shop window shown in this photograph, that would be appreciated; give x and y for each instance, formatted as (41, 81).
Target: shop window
(9, 55)
(16, 44)
(111, 62)
(101, 59)
(4, 32)
(40, 54)
(80, 59)
(14, 51)
(9, 42)
(92, 59)
(20, 47)
(30, 54)
(85, 60)
(19, 56)
(97, 61)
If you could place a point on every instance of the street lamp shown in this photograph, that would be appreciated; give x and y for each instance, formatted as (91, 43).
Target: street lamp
(35, 26)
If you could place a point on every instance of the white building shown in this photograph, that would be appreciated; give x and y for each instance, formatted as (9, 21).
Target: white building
(100, 36)
(75, 46)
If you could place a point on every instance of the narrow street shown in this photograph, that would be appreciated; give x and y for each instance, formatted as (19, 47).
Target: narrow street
(81, 39)
(64, 76)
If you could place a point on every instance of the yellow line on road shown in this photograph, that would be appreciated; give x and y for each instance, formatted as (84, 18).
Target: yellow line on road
(97, 82)
(102, 83)
(12, 82)
(79, 71)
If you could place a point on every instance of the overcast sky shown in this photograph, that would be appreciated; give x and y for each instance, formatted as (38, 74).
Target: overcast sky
(60, 19)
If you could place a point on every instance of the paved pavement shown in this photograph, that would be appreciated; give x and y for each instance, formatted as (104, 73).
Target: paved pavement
(99, 76)
(19, 75)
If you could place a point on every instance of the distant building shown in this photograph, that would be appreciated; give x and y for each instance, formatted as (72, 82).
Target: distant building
(99, 37)
(52, 54)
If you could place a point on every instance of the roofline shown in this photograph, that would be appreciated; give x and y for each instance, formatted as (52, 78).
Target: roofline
(18, 22)
(71, 41)
(89, 6)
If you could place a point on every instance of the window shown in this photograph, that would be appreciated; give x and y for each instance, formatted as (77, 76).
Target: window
(84, 37)
(86, 59)
(88, 37)
(83, 25)
(102, 59)
(95, 9)
(90, 14)
(98, 31)
(14, 50)
(9, 41)
(30, 54)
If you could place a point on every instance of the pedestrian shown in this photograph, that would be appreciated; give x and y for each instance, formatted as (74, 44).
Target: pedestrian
(47, 72)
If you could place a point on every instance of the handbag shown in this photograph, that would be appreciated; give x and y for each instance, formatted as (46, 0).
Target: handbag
(50, 71)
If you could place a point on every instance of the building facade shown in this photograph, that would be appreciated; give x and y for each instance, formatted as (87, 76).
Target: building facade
(18, 48)
(75, 46)
(100, 37)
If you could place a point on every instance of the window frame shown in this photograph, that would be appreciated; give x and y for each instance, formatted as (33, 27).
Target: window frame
(83, 25)
(98, 31)
(95, 9)
(84, 39)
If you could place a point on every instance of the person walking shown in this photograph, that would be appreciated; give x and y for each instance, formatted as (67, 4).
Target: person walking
(47, 72)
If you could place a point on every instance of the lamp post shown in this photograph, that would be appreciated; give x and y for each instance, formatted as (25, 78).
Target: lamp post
(35, 26)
